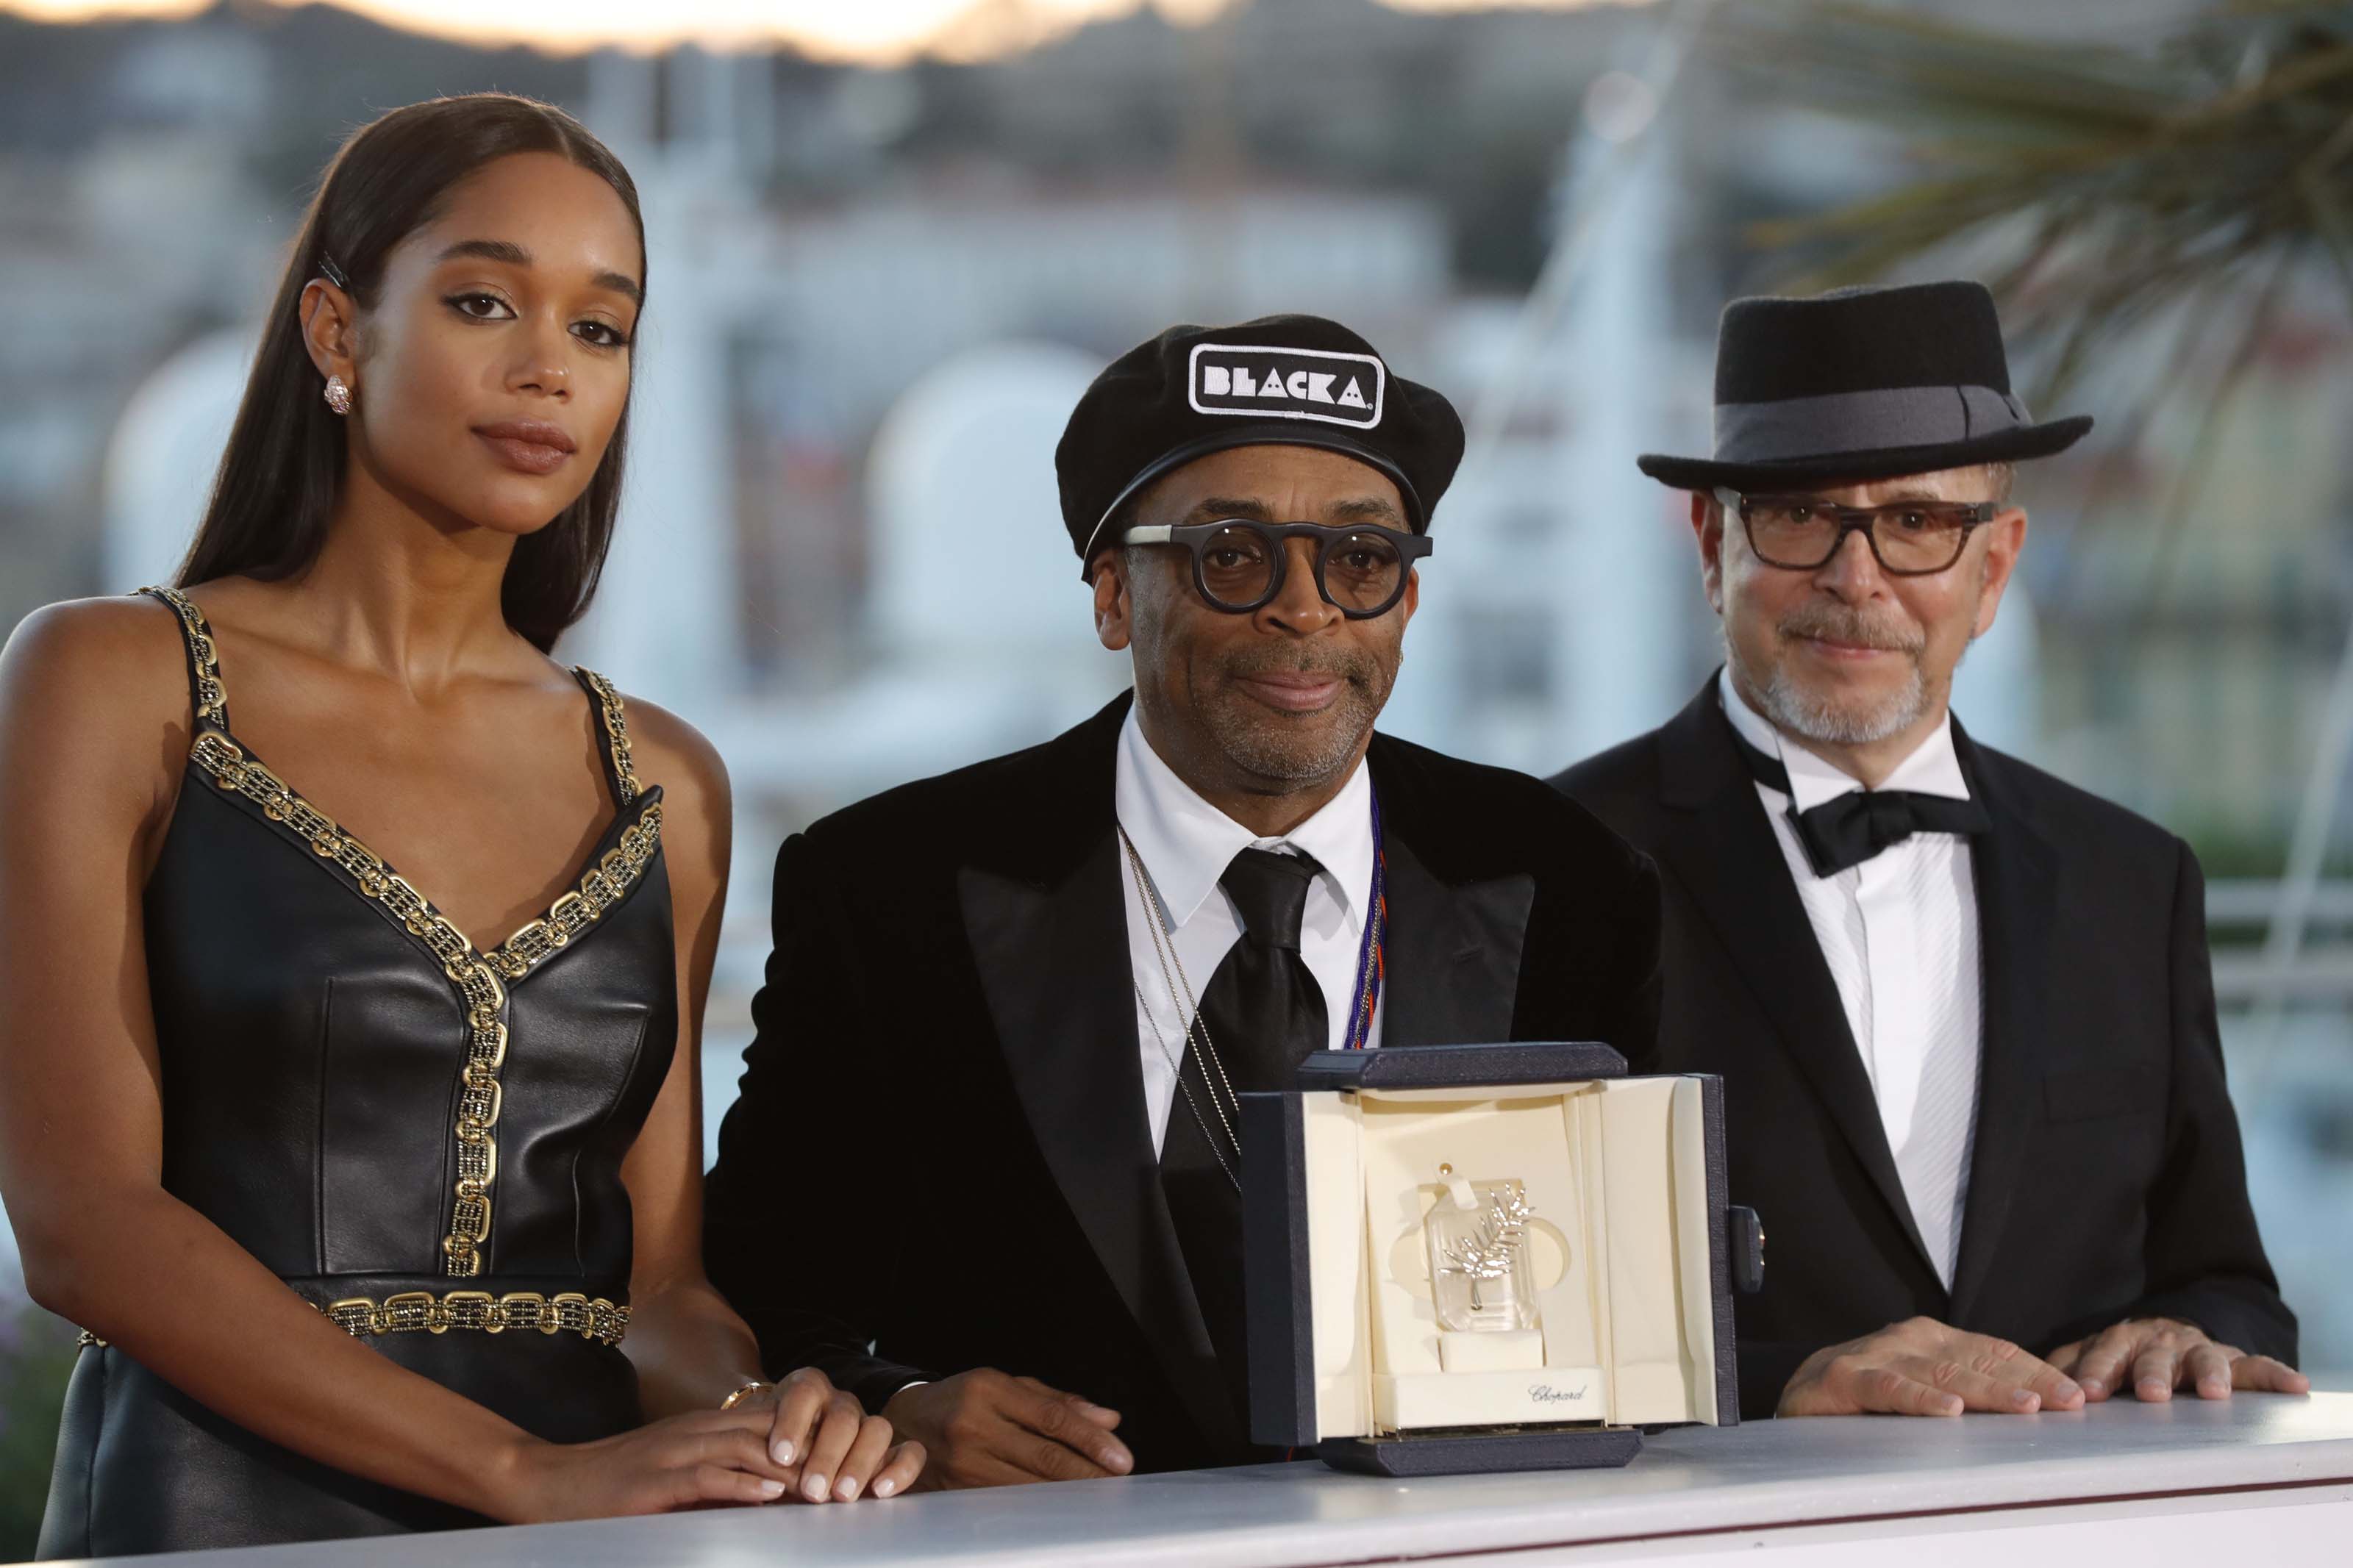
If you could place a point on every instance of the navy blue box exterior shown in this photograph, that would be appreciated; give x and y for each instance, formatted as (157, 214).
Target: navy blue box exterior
(1274, 1263)
(1493, 1453)
(1274, 1213)
(1459, 1067)
(1720, 1243)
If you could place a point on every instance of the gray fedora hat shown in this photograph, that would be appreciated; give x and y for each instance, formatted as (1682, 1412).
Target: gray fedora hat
(1861, 383)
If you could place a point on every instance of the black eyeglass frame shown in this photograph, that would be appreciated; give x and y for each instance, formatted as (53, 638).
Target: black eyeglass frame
(1195, 537)
(1860, 520)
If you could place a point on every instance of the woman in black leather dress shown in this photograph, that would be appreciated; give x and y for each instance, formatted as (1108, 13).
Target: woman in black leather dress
(355, 950)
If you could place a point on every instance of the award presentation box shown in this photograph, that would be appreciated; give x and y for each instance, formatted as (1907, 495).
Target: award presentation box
(1488, 1257)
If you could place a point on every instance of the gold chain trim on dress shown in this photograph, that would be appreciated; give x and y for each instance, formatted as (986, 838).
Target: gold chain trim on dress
(212, 697)
(617, 726)
(600, 890)
(477, 982)
(475, 975)
(415, 1311)
(478, 1311)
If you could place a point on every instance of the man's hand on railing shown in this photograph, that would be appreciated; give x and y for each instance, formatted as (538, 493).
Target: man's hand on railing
(984, 1428)
(2157, 1355)
(1923, 1367)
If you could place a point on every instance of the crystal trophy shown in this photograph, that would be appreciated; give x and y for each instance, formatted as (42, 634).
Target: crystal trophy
(1478, 1240)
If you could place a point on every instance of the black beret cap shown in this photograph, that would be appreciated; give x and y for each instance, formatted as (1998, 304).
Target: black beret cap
(1289, 381)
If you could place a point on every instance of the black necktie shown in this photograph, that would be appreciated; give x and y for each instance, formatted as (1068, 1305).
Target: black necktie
(1848, 829)
(1263, 1012)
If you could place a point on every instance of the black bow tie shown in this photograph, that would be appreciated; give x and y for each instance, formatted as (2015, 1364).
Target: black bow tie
(1848, 829)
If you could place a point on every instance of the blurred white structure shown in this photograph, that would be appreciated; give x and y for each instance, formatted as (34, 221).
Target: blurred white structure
(1622, 569)
(1561, 605)
(961, 484)
(161, 457)
(978, 624)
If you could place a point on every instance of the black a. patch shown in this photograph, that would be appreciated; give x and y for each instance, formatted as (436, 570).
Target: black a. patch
(1288, 384)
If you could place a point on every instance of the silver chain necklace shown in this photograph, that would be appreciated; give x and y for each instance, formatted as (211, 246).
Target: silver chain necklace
(1197, 1029)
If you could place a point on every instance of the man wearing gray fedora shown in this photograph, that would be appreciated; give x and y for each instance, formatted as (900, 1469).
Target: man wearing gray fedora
(1963, 1011)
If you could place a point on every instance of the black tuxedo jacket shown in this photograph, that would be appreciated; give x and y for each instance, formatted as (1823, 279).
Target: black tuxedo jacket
(2105, 1180)
(947, 1048)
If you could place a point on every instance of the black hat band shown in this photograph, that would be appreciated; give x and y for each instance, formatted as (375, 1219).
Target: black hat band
(1899, 417)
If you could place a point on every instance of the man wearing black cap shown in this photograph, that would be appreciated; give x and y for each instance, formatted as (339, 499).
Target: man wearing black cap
(1043, 979)
(1963, 1011)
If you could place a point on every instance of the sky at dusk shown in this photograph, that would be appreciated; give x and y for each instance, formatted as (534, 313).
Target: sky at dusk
(876, 31)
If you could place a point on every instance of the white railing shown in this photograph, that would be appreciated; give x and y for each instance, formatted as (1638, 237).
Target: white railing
(2248, 972)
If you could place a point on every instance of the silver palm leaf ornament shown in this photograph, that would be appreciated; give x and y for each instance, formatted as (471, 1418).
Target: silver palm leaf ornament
(1487, 1252)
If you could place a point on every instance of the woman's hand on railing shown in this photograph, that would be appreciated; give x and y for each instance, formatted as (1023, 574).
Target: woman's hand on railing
(836, 1453)
(839, 1452)
(687, 1461)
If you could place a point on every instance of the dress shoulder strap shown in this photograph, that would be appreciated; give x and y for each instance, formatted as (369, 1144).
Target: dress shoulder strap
(206, 695)
(618, 774)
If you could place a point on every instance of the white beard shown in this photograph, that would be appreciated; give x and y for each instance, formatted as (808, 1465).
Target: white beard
(1819, 718)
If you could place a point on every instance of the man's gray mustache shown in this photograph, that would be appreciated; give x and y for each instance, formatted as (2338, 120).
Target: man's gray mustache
(1859, 630)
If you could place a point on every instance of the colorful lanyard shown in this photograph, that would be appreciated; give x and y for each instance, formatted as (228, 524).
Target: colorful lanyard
(1372, 957)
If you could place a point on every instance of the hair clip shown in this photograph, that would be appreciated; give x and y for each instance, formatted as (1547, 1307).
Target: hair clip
(334, 274)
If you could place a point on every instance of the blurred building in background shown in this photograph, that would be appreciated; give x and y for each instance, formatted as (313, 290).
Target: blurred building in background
(874, 295)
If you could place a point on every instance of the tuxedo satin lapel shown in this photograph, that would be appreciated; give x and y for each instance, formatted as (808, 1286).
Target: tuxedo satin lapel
(1731, 863)
(1053, 964)
(1453, 954)
(2016, 870)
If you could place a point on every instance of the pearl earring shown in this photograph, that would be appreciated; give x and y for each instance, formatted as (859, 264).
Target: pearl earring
(339, 396)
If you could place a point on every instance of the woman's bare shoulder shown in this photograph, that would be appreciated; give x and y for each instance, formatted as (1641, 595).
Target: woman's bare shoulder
(666, 750)
(698, 803)
(104, 662)
(94, 712)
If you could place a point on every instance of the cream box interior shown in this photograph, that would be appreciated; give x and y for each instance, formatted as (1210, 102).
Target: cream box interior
(1615, 1175)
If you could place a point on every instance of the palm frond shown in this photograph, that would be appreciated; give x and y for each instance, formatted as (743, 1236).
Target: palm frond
(2142, 179)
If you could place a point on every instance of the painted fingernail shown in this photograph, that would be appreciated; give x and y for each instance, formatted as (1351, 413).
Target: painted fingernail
(847, 1490)
(813, 1489)
(781, 1451)
(772, 1489)
(885, 1487)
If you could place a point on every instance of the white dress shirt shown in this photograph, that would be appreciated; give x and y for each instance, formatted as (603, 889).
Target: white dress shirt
(1185, 845)
(1900, 934)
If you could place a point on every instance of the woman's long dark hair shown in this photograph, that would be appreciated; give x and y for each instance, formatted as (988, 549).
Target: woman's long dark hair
(277, 480)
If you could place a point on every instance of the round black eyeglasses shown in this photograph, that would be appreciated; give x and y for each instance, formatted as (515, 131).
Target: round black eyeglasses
(1908, 538)
(1239, 566)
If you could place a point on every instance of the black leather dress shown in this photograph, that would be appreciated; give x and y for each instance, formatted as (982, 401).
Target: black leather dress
(424, 1141)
